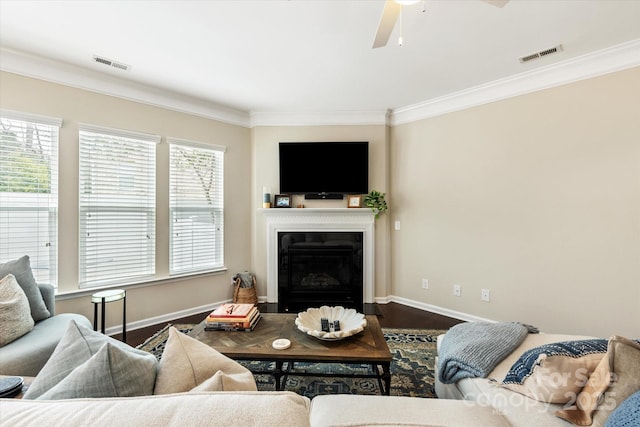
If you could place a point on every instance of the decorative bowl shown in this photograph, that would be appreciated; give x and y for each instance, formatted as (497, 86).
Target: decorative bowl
(351, 322)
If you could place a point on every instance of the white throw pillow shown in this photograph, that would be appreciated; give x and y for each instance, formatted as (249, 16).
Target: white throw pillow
(15, 315)
(189, 365)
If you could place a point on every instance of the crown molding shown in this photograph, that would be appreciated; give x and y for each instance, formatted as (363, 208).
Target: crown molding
(609, 60)
(84, 78)
(616, 58)
(318, 118)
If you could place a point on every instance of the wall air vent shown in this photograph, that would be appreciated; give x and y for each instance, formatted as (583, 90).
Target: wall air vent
(110, 63)
(542, 53)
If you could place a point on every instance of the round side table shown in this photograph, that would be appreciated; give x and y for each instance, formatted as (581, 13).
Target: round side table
(103, 297)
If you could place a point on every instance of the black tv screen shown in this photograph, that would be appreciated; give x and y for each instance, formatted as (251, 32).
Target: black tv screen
(323, 168)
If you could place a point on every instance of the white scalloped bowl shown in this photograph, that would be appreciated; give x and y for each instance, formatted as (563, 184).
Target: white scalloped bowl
(351, 322)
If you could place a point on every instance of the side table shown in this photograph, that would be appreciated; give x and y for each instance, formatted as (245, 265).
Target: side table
(103, 297)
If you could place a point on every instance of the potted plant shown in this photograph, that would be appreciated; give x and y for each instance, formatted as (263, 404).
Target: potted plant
(375, 200)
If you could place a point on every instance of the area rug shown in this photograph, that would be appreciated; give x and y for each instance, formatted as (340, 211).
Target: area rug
(412, 368)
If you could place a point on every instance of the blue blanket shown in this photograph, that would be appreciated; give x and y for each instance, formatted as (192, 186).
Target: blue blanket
(472, 350)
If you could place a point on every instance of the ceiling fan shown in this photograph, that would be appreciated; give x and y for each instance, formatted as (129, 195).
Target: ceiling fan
(391, 12)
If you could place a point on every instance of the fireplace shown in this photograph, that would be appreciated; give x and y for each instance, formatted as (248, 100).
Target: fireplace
(318, 268)
(319, 256)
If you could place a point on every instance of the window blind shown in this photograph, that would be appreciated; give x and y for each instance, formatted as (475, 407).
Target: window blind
(196, 203)
(117, 205)
(29, 191)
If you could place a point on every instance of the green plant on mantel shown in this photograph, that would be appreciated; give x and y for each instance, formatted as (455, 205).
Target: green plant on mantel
(375, 201)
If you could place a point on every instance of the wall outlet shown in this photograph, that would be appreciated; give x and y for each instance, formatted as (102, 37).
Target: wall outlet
(457, 290)
(396, 225)
(425, 283)
(485, 295)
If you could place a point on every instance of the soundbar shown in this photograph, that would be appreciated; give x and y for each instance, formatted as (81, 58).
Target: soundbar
(328, 196)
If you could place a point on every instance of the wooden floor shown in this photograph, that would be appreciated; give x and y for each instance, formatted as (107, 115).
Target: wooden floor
(393, 315)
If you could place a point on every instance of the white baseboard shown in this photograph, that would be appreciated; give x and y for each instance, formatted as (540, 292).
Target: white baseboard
(170, 317)
(165, 318)
(433, 309)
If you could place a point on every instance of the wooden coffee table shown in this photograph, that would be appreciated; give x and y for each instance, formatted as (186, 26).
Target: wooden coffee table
(367, 347)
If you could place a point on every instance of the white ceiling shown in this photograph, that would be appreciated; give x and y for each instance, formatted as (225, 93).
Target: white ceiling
(313, 56)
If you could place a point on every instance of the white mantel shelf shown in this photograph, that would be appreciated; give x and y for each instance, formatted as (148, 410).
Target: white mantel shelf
(319, 220)
(316, 211)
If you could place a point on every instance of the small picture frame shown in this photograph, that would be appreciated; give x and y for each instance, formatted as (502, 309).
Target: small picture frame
(354, 201)
(282, 201)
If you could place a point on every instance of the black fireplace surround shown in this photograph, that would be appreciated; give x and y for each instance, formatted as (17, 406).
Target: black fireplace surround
(319, 268)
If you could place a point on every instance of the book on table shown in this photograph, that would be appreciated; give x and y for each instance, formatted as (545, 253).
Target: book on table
(243, 325)
(246, 318)
(227, 323)
(232, 310)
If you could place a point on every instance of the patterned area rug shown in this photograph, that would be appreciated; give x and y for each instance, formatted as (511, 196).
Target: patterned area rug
(412, 368)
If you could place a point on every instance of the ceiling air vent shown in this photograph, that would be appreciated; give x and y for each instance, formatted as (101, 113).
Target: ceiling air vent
(542, 53)
(110, 63)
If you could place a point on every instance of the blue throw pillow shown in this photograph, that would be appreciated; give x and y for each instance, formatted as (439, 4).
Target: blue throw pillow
(525, 365)
(555, 373)
(627, 414)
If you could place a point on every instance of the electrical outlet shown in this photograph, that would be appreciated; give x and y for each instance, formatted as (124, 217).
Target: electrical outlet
(457, 290)
(397, 225)
(425, 283)
(485, 295)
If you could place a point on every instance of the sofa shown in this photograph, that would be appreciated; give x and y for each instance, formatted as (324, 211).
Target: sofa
(34, 311)
(247, 409)
(564, 380)
(194, 385)
(92, 379)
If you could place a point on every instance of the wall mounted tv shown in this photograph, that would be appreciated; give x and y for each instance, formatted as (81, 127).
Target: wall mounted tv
(324, 170)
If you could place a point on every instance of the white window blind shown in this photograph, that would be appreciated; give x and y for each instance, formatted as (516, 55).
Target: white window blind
(29, 191)
(196, 203)
(117, 205)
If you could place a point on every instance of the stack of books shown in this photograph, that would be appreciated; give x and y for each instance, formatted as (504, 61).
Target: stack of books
(233, 317)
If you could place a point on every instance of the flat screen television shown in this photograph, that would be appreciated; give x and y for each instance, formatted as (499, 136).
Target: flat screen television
(324, 170)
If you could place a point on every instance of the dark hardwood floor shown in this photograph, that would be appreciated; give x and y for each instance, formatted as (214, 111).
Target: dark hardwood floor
(391, 315)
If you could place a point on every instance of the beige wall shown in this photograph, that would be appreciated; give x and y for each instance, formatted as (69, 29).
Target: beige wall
(536, 198)
(75, 106)
(265, 141)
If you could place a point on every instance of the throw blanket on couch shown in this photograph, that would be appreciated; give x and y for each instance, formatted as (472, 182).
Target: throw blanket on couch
(471, 350)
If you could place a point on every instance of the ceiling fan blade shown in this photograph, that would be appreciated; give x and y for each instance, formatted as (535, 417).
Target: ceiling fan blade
(497, 3)
(388, 20)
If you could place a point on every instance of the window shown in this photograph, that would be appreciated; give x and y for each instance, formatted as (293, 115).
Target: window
(117, 205)
(196, 206)
(29, 191)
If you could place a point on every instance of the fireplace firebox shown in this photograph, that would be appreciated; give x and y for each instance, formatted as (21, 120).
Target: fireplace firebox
(319, 268)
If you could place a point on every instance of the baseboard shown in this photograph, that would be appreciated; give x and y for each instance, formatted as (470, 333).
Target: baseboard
(433, 309)
(165, 318)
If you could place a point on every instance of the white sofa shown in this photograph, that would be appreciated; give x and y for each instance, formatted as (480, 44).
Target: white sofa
(518, 409)
(193, 384)
(550, 380)
(469, 402)
(247, 409)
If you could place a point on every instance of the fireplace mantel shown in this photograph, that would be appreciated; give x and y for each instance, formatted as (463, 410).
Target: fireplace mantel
(320, 220)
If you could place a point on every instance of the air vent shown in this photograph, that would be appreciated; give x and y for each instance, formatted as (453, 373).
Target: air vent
(542, 53)
(110, 63)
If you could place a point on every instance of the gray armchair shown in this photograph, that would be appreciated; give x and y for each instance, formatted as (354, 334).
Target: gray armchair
(28, 354)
